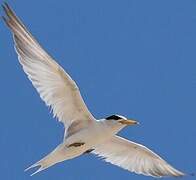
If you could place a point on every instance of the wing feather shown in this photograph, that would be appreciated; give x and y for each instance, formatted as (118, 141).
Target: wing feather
(135, 158)
(55, 86)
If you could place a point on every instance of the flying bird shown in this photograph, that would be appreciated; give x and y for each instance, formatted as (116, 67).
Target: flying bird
(83, 132)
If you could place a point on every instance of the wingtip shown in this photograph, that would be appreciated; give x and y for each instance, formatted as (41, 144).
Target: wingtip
(5, 5)
(6, 8)
(5, 2)
(4, 19)
(180, 174)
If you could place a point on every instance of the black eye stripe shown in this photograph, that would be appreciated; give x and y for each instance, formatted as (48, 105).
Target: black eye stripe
(113, 117)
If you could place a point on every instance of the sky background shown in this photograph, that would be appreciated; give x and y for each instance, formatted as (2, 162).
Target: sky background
(134, 58)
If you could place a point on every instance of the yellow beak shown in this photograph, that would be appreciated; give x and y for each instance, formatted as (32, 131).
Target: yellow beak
(128, 122)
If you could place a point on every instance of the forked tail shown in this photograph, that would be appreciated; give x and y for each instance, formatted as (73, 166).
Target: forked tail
(52, 158)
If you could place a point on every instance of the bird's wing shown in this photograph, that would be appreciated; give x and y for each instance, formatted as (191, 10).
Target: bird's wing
(55, 86)
(135, 158)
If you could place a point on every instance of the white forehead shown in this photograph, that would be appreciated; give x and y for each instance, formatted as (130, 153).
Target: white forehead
(122, 117)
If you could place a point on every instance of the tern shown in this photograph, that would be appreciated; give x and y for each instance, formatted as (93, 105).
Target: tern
(83, 133)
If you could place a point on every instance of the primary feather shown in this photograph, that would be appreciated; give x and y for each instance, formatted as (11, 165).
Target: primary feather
(55, 86)
(135, 158)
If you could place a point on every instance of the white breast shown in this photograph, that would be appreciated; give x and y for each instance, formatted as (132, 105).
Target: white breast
(95, 134)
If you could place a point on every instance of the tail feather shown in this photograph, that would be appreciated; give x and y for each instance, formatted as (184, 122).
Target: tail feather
(40, 169)
(30, 167)
(52, 158)
(39, 164)
(42, 164)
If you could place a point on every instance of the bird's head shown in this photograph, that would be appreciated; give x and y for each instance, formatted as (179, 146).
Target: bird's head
(122, 120)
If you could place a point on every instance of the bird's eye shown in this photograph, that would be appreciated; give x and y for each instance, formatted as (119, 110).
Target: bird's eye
(113, 117)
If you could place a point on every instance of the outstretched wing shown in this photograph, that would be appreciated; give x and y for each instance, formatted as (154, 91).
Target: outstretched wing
(55, 86)
(135, 158)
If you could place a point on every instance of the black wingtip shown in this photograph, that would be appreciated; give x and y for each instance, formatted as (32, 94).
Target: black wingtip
(7, 6)
(4, 19)
(3, 6)
(5, 2)
(7, 9)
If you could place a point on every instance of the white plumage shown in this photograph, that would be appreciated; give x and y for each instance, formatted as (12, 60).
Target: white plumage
(134, 157)
(83, 133)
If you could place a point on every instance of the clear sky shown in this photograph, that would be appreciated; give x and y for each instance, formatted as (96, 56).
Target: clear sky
(135, 58)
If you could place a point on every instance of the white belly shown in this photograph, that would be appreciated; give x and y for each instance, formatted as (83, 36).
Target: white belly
(91, 136)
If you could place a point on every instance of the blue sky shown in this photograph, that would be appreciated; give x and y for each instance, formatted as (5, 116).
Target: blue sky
(135, 58)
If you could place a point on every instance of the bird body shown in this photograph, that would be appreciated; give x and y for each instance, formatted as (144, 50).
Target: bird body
(98, 130)
(83, 132)
(80, 142)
